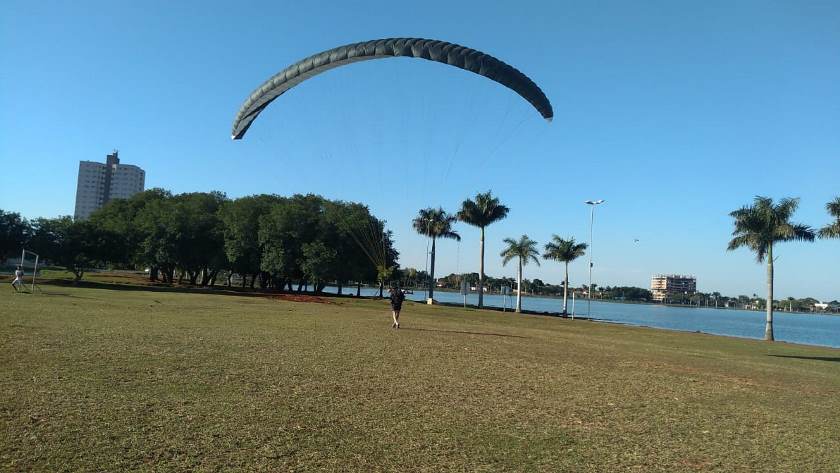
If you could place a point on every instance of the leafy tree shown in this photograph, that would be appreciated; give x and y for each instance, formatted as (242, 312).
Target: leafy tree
(159, 229)
(285, 229)
(364, 247)
(759, 227)
(435, 223)
(121, 219)
(338, 227)
(118, 218)
(383, 274)
(199, 240)
(276, 263)
(453, 281)
(627, 293)
(77, 246)
(832, 230)
(14, 233)
(413, 277)
(564, 251)
(525, 249)
(536, 286)
(240, 229)
(318, 263)
(47, 234)
(481, 212)
(196, 235)
(409, 277)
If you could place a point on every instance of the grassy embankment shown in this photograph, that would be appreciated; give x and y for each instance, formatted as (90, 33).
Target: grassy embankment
(132, 379)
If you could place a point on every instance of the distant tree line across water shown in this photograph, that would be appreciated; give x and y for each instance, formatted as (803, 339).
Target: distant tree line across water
(415, 278)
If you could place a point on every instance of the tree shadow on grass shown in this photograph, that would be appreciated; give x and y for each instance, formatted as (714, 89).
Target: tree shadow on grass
(211, 290)
(464, 332)
(62, 294)
(835, 359)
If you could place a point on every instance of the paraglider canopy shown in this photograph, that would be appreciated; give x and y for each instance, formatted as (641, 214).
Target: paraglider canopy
(432, 50)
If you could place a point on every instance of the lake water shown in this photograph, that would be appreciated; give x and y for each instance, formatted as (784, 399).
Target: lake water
(809, 329)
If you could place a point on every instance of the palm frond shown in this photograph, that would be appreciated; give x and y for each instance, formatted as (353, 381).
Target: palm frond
(785, 209)
(435, 223)
(525, 249)
(507, 258)
(740, 213)
(562, 250)
(469, 212)
(764, 223)
(833, 208)
(738, 242)
(482, 211)
(452, 235)
(802, 232)
(830, 231)
(760, 252)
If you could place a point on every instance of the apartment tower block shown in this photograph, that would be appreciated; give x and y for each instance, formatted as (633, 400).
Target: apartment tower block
(98, 183)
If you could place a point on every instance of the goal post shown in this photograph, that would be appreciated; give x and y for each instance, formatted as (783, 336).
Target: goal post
(29, 261)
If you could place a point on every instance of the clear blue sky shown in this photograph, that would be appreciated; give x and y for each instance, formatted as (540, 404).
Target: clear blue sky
(676, 113)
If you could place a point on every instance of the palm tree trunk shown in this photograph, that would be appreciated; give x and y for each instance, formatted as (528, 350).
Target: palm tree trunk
(519, 288)
(432, 274)
(768, 327)
(566, 289)
(481, 271)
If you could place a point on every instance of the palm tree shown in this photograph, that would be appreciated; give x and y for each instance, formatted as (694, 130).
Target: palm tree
(481, 212)
(832, 230)
(564, 251)
(526, 250)
(435, 223)
(759, 227)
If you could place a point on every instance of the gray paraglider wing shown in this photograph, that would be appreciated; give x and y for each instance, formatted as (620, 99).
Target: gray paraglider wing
(432, 50)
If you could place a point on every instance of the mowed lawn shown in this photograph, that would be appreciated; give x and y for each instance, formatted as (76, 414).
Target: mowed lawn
(117, 380)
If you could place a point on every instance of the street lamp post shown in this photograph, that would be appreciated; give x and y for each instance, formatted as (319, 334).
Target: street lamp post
(591, 203)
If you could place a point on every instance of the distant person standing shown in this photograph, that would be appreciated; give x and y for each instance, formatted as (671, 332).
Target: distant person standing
(397, 297)
(18, 282)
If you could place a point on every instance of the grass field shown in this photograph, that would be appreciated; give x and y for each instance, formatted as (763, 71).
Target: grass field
(118, 379)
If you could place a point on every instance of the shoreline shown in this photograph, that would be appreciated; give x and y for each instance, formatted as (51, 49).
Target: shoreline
(626, 324)
(615, 301)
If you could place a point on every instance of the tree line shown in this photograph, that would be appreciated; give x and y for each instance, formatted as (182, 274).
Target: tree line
(305, 239)
(538, 287)
(204, 237)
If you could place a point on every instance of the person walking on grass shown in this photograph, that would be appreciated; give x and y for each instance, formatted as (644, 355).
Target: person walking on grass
(397, 297)
(18, 281)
